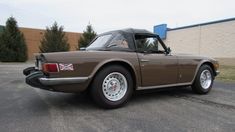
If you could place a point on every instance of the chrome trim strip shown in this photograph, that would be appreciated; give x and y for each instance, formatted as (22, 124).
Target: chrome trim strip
(217, 72)
(38, 64)
(164, 86)
(58, 81)
(144, 60)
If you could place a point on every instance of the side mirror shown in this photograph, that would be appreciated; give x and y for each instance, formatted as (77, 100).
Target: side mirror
(168, 50)
(82, 48)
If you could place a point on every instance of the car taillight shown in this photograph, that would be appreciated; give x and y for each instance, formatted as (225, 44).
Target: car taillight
(50, 67)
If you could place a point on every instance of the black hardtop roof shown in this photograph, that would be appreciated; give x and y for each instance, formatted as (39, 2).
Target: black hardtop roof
(131, 30)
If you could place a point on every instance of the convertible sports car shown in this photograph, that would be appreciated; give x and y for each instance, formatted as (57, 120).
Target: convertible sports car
(119, 62)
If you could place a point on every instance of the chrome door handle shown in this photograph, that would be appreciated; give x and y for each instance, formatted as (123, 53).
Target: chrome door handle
(143, 60)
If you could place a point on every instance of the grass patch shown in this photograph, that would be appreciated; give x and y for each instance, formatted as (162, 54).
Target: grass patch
(227, 74)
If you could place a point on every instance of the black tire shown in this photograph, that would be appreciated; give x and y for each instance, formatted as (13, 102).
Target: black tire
(97, 87)
(197, 86)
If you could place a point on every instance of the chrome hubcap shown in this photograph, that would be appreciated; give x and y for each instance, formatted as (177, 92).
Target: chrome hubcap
(114, 86)
(205, 79)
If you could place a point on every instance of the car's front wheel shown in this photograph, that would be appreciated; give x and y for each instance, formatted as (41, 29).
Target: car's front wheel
(204, 80)
(112, 86)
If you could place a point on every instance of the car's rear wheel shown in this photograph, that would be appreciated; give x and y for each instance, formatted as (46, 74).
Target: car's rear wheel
(204, 80)
(112, 87)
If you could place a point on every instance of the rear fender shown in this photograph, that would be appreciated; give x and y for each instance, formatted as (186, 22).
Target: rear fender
(110, 61)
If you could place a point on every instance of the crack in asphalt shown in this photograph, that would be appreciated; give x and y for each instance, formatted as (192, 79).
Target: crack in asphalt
(205, 102)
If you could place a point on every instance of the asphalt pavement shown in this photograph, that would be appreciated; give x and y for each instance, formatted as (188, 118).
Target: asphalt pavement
(27, 109)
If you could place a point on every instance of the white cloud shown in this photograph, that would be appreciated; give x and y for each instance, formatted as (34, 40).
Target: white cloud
(106, 15)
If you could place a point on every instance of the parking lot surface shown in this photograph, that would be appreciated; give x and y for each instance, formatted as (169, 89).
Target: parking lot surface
(27, 109)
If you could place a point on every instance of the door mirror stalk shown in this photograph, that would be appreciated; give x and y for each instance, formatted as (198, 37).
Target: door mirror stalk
(168, 50)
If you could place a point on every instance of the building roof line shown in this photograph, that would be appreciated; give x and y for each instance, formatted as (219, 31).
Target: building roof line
(202, 24)
(1, 26)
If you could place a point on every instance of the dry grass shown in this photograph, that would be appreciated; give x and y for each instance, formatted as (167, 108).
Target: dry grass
(227, 74)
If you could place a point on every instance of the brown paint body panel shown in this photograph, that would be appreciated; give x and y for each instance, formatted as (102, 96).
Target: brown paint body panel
(87, 64)
(149, 69)
(158, 69)
(188, 66)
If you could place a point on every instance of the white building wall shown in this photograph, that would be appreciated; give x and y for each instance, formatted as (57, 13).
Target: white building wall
(214, 40)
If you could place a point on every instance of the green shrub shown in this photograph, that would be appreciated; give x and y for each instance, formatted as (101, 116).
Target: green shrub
(12, 43)
(86, 37)
(54, 40)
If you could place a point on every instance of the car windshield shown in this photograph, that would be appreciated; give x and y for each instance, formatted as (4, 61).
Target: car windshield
(100, 41)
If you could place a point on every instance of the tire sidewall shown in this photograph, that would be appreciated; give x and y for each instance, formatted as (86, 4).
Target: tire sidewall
(97, 90)
(197, 83)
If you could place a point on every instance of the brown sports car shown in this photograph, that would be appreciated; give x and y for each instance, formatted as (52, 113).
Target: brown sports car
(119, 62)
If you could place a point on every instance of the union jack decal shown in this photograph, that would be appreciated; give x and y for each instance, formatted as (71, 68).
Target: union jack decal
(66, 67)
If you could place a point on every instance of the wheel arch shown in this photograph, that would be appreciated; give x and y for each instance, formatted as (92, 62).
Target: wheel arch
(211, 65)
(119, 62)
(204, 62)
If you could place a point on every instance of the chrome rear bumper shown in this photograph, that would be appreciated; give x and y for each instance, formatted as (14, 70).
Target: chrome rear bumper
(58, 81)
(38, 79)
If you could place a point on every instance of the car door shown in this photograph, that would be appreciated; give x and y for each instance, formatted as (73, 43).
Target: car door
(157, 67)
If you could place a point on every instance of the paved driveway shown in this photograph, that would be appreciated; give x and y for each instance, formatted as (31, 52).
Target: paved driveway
(23, 108)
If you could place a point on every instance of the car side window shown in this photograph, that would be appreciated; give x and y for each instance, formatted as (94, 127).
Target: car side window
(148, 44)
(119, 41)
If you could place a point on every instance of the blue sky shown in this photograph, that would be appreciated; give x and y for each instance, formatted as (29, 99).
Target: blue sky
(107, 15)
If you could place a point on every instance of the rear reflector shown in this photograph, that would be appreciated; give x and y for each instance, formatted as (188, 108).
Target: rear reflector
(50, 67)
